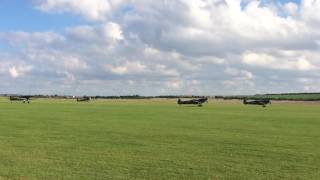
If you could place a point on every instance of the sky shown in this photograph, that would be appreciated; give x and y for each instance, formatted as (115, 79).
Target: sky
(163, 47)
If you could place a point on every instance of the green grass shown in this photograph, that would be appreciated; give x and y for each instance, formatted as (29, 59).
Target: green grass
(51, 139)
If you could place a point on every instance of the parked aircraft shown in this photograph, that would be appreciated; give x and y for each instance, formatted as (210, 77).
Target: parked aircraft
(261, 102)
(83, 99)
(24, 99)
(198, 102)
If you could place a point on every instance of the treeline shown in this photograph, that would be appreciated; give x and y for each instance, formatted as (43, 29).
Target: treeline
(146, 97)
(41, 96)
(121, 97)
(108, 97)
(282, 97)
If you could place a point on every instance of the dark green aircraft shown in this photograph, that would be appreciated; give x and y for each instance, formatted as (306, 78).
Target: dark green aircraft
(24, 99)
(198, 102)
(83, 99)
(261, 102)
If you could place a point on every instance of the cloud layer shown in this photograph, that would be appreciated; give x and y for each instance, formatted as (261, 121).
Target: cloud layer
(168, 47)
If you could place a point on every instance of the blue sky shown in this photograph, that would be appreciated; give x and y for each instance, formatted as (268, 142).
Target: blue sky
(21, 15)
(213, 47)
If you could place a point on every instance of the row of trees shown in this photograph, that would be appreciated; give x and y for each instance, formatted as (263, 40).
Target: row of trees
(108, 97)
(283, 97)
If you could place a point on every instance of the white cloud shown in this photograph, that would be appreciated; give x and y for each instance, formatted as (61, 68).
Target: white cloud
(211, 60)
(13, 72)
(310, 11)
(21, 38)
(269, 61)
(174, 84)
(127, 68)
(85, 33)
(94, 10)
(113, 31)
(303, 65)
(16, 72)
(291, 8)
(149, 51)
(239, 73)
(106, 33)
(71, 62)
(178, 46)
(165, 71)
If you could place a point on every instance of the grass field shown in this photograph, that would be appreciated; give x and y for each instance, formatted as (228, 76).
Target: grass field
(152, 139)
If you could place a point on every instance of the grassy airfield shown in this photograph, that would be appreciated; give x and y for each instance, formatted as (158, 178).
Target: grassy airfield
(157, 139)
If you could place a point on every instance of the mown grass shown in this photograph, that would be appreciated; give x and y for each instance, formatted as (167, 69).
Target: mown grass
(50, 139)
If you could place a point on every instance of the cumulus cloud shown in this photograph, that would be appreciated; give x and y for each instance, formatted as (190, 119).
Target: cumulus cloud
(263, 60)
(171, 47)
(291, 8)
(127, 68)
(93, 10)
(13, 72)
(21, 38)
(239, 73)
(113, 31)
(19, 71)
(309, 11)
(106, 33)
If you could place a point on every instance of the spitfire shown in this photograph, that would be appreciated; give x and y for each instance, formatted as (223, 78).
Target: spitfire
(198, 102)
(24, 99)
(83, 99)
(262, 102)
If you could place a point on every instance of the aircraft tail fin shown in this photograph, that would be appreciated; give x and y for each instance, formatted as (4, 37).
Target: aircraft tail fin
(244, 101)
